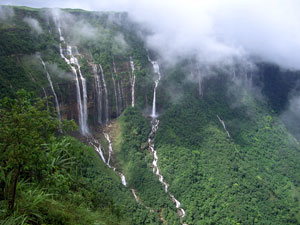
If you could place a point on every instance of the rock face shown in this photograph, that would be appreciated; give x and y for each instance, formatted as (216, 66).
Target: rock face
(97, 64)
(118, 94)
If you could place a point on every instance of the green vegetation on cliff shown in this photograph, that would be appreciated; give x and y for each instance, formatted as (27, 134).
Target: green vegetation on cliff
(48, 177)
(250, 178)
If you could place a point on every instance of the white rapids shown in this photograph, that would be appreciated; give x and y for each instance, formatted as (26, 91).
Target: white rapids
(52, 88)
(116, 94)
(105, 94)
(81, 102)
(97, 146)
(155, 123)
(93, 142)
(132, 81)
(120, 96)
(224, 126)
(156, 71)
(110, 150)
(98, 93)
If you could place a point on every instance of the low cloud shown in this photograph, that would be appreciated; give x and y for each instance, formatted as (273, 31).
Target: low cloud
(33, 24)
(214, 30)
(6, 13)
(119, 44)
(291, 116)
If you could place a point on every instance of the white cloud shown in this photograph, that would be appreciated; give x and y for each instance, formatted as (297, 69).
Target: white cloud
(214, 30)
(6, 13)
(34, 24)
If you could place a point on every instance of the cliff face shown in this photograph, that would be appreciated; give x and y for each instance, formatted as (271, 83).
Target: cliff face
(214, 146)
(94, 65)
(118, 96)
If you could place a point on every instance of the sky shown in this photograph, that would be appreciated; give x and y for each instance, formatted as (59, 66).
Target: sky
(214, 30)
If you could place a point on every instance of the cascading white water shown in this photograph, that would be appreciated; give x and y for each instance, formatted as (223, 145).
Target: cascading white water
(123, 178)
(84, 93)
(155, 123)
(45, 96)
(249, 68)
(132, 81)
(82, 106)
(98, 94)
(120, 96)
(109, 147)
(52, 88)
(224, 126)
(200, 78)
(82, 121)
(116, 94)
(156, 71)
(105, 93)
(79, 103)
(92, 141)
(110, 150)
(123, 95)
(134, 195)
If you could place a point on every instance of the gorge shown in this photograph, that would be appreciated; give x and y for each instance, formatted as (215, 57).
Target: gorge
(100, 125)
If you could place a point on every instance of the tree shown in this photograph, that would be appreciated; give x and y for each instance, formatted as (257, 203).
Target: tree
(25, 126)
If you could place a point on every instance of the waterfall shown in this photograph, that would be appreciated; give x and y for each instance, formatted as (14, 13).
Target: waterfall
(82, 106)
(200, 78)
(45, 97)
(109, 146)
(224, 126)
(156, 171)
(61, 38)
(92, 141)
(123, 95)
(156, 70)
(249, 68)
(116, 94)
(110, 150)
(84, 92)
(232, 71)
(123, 179)
(135, 196)
(53, 91)
(120, 96)
(98, 93)
(132, 81)
(79, 103)
(155, 123)
(106, 94)
(82, 102)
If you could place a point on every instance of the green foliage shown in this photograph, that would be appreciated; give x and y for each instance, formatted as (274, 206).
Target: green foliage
(245, 179)
(41, 173)
(25, 126)
(135, 160)
(47, 178)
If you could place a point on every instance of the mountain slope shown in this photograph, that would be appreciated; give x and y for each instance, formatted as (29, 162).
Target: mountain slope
(215, 150)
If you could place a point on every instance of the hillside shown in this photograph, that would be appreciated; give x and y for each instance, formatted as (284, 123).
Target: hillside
(95, 128)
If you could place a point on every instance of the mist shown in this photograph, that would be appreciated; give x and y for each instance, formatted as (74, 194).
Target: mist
(214, 31)
(6, 13)
(33, 24)
(226, 34)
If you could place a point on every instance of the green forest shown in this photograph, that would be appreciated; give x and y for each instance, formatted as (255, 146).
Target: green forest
(227, 153)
